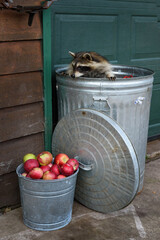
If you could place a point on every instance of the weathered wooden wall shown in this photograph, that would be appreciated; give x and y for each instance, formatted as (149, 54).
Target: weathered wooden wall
(21, 97)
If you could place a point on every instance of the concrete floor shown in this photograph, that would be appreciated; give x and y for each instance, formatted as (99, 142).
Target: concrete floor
(140, 220)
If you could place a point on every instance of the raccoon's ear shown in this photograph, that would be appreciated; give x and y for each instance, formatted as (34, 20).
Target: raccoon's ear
(72, 54)
(87, 56)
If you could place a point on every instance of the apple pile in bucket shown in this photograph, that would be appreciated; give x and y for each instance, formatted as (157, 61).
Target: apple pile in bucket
(43, 167)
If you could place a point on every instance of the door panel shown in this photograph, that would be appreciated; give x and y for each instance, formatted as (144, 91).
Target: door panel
(145, 38)
(79, 31)
(126, 32)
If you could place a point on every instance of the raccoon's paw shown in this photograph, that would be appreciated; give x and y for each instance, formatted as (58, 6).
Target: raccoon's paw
(112, 78)
(110, 75)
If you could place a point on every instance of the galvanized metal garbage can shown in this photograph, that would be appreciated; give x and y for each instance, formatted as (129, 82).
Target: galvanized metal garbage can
(105, 126)
(46, 204)
(126, 100)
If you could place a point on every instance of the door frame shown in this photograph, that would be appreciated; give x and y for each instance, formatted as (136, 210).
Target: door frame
(47, 78)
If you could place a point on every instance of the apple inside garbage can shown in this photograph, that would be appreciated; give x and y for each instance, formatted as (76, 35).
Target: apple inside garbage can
(56, 169)
(45, 168)
(49, 175)
(67, 169)
(29, 156)
(74, 162)
(36, 173)
(60, 176)
(50, 165)
(30, 164)
(44, 158)
(24, 174)
(61, 159)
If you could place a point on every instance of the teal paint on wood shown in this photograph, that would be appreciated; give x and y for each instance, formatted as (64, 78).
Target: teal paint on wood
(126, 32)
(47, 77)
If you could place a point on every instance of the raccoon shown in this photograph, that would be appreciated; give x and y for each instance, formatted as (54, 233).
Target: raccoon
(91, 65)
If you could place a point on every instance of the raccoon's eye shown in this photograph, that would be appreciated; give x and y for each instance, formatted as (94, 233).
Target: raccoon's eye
(83, 68)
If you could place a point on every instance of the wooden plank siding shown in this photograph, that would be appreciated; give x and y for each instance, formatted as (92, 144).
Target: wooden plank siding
(14, 26)
(20, 56)
(27, 87)
(21, 97)
(9, 190)
(26, 3)
(21, 121)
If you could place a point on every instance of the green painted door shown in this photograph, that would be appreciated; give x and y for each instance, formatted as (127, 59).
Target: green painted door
(126, 32)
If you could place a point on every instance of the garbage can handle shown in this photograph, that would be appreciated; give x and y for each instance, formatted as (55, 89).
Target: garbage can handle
(85, 167)
(101, 100)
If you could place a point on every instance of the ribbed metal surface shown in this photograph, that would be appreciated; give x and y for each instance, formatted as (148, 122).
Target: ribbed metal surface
(97, 140)
(47, 204)
(127, 101)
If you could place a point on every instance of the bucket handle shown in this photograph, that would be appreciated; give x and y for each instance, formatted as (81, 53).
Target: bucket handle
(85, 167)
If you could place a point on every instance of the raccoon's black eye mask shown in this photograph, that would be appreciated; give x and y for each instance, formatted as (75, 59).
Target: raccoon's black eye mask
(83, 68)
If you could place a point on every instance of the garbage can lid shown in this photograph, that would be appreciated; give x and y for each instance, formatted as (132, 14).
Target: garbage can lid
(108, 179)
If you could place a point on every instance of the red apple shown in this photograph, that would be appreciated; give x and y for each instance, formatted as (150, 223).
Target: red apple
(30, 164)
(61, 159)
(24, 174)
(67, 169)
(60, 176)
(36, 173)
(28, 176)
(45, 168)
(44, 158)
(29, 156)
(49, 175)
(74, 162)
(50, 165)
(56, 169)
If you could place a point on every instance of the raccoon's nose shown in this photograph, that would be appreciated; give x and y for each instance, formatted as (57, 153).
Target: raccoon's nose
(73, 75)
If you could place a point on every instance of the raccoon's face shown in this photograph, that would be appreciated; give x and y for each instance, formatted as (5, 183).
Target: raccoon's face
(79, 70)
(80, 65)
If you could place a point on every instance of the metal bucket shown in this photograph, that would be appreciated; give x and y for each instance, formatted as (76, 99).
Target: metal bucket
(126, 100)
(47, 204)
